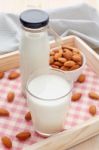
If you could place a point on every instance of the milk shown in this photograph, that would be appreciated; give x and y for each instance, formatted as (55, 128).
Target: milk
(34, 48)
(49, 100)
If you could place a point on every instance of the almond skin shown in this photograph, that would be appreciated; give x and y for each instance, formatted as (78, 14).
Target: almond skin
(57, 56)
(56, 51)
(54, 66)
(51, 61)
(10, 96)
(67, 54)
(57, 63)
(13, 75)
(6, 141)
(93, 95)
(81, 78)
(69, 63)
(52, 53)
(64, 68)
(73, 49)
(77, 58)
(4, 112)
(76, 66)
(28, 116)
(62, 60)
(76, 97)
(22, 136)
(1, 74)
(92, 110)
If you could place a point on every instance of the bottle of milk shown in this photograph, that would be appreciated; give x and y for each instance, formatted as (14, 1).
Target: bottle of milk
(34, 44)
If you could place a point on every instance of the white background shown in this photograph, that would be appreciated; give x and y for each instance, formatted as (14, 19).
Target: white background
(16, 6)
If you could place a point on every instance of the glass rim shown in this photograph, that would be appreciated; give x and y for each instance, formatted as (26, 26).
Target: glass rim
(49, 99)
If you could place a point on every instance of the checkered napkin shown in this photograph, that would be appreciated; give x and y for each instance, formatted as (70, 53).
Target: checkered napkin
(16, 123)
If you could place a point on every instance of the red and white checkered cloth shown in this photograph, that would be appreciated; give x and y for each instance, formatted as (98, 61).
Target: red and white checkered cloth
(16, 123)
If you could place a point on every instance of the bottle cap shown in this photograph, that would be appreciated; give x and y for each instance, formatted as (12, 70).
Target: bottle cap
(34, 18)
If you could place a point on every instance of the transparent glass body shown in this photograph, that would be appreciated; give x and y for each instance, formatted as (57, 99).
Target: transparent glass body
(49, 106)
(34, 50)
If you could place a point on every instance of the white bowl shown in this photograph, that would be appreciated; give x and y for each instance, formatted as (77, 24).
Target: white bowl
(74, 74)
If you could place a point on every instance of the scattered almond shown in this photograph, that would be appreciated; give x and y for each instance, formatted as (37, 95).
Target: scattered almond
(81, 78)
(10, 96)
(22, 136)
(28, 116)
(93, 95)
(6, 141)
(4, 112)
(13, 75)
(76, 96)
(1, 74)
(92, 110)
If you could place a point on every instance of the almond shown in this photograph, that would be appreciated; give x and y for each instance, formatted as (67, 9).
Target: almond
(92, 110)
(80, 62)
(54, 66)
(61, 51)
(4, 112)
(76, 66)
(76, 96)
(64, 68)
(81, 78)
(77, 58)
(57, 63)
(28, 116)
(62, 60)
(52, 53)
(69, 63)
(64, 46)
(13, 75)
(6, 141)
(10, 96)
(70, 48)
(51, 60)
(57, 55)
(1, 74)
(56, 51)
(67, 54)
(22, 136)
(93, 95)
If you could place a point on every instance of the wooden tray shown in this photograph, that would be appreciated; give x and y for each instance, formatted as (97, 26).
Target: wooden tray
(75, 135)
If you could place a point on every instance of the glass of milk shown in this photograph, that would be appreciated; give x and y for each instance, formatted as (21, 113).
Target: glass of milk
(48, 96)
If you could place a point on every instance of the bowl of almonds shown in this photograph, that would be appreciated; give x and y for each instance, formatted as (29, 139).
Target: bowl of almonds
(68, 59)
